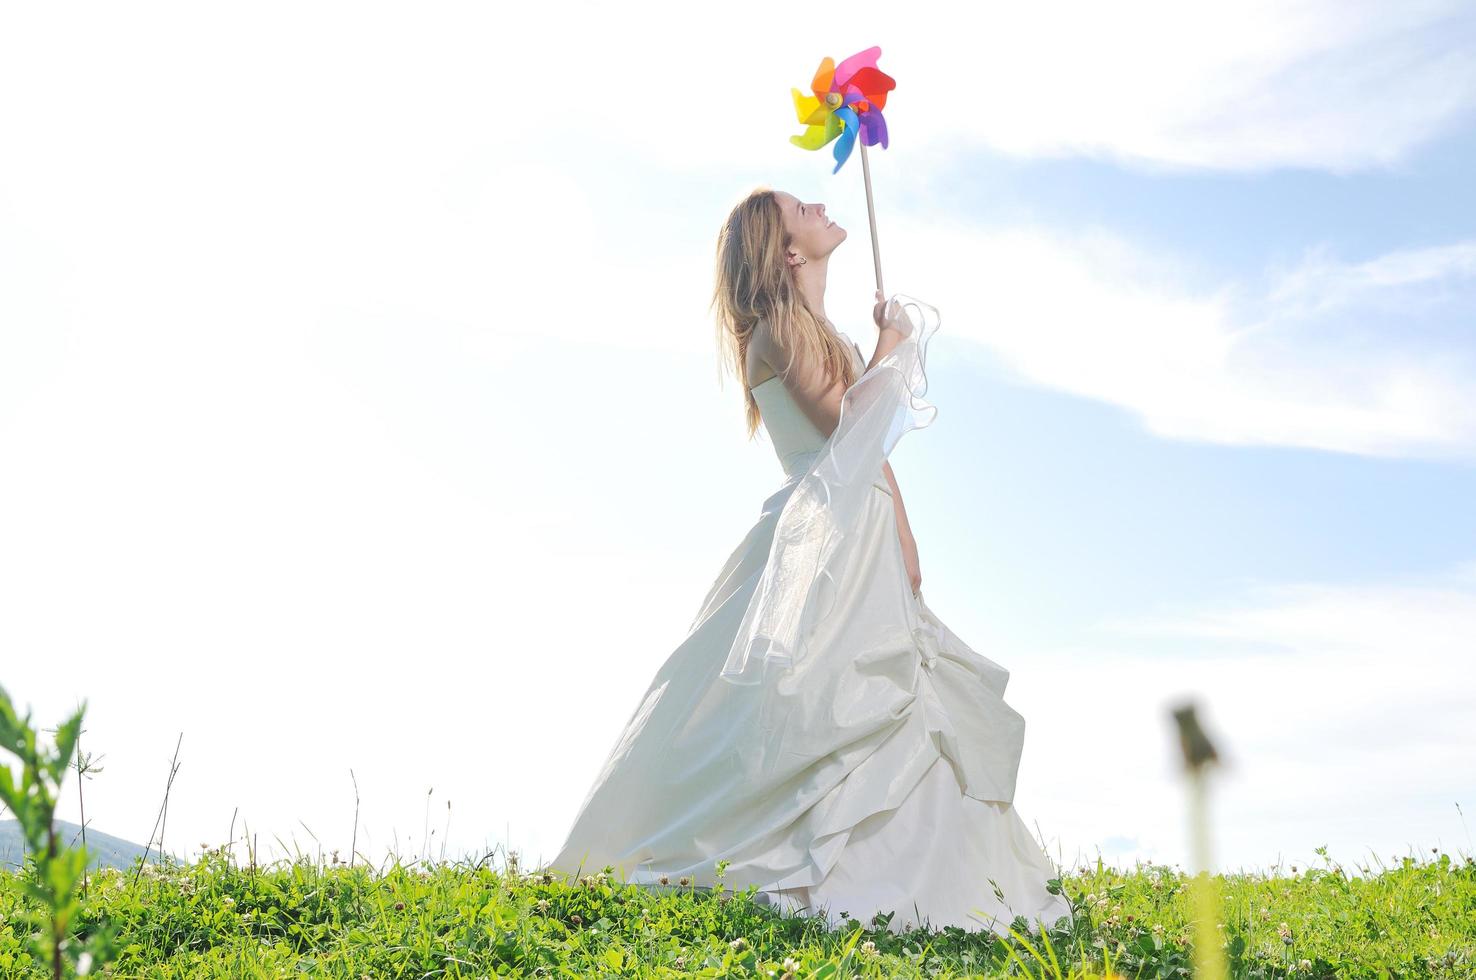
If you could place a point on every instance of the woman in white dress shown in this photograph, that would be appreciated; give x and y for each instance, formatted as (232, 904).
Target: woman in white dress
(819, 728)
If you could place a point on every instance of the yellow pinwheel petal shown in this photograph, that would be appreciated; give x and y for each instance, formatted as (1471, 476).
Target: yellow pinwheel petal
(810, 110)
(815, 137)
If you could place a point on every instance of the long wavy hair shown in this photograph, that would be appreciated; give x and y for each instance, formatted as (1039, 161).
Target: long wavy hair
(754, 283)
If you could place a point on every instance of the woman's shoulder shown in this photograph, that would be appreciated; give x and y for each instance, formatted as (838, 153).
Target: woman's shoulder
(764, 352)
(760, 354)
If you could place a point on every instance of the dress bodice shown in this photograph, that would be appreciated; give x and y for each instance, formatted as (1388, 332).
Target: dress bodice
(795, 438)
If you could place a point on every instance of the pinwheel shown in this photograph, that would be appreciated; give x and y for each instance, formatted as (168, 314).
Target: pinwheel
(847, 100)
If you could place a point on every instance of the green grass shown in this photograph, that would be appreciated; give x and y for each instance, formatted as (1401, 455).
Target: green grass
(302, 919)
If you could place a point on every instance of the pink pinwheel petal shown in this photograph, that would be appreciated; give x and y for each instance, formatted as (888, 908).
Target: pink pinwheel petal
(853, 64)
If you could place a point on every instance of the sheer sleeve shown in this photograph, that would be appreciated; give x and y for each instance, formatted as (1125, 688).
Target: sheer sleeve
(884, 404)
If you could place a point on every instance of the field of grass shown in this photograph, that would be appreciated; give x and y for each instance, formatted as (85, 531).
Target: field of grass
(215, 918)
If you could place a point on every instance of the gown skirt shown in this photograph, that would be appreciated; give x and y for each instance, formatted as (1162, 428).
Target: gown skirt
(819, 728)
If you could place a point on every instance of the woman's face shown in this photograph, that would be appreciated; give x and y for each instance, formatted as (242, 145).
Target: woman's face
(811, 233)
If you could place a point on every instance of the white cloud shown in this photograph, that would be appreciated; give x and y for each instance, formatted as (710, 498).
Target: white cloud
(1321, 283)
(1325, 85)
(286, 89)
(1372, 358)
(1342, 714)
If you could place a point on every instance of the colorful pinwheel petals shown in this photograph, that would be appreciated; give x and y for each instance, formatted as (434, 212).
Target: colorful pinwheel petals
(848, 99)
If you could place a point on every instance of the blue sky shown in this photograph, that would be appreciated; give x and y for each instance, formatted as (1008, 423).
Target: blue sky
(359, 406)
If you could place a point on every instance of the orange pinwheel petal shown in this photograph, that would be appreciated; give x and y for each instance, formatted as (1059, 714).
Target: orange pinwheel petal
(823, 77)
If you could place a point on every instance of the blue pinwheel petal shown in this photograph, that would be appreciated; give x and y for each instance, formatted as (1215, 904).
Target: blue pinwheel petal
(873, 128)
(847, 138)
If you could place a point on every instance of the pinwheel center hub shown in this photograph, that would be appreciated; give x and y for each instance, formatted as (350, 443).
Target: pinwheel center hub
(833, 99)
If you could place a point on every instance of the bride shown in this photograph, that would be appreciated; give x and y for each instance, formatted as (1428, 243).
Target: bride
(820, 729)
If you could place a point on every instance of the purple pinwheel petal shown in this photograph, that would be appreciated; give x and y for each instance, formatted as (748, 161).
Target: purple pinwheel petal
(847, 138)
(873, 128)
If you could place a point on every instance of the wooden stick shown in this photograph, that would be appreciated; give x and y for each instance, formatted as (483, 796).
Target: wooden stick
(871, 216)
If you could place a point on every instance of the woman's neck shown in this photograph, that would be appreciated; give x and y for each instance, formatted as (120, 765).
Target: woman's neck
(810, 280)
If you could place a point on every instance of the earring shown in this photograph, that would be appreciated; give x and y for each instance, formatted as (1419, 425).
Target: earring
(803, 260)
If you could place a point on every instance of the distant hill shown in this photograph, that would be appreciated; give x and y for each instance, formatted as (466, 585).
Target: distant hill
(103, 849)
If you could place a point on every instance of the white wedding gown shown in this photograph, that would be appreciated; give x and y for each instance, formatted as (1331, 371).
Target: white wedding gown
(871, 767)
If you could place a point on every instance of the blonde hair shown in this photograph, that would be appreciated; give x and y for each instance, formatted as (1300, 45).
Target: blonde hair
(753, 283)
